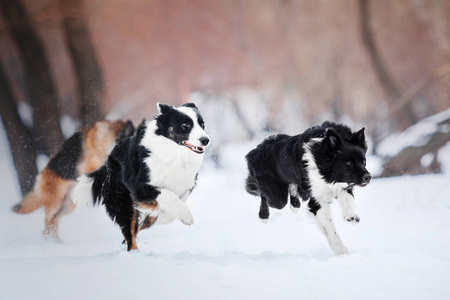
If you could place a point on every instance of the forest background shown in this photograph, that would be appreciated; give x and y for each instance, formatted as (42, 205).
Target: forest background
(253, 67)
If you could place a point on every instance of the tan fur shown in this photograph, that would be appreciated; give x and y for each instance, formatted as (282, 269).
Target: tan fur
(53, 192)
(133, 231)
(148, 221)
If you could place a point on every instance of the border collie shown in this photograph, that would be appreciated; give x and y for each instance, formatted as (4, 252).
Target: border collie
(83, 152)
(149, 176)
(324, 162)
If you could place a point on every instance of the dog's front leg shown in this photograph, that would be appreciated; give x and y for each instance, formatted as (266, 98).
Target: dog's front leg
(171, 207)
(347, 203)
(322, 214)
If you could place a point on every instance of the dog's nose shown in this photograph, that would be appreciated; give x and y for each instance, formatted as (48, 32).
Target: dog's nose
(204, 140)
(366, 178)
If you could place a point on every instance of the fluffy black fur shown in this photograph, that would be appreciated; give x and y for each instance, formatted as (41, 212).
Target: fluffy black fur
(278, 167)
(124, 174)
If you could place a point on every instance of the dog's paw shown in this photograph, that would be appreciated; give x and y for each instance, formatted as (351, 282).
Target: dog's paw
(341, 251)
(294, 209)
(186, 217)
(165, 218)
(264, 221)
(295, 204)
(353, 218)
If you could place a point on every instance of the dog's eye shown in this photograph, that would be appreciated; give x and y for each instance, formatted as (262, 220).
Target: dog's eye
(185, 126)
(349, 163)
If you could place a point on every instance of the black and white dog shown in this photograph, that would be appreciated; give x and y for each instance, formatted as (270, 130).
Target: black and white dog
(149, 176)
(324, 162)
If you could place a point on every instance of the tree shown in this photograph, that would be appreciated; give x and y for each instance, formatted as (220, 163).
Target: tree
(87, 68)
(40, 88)
(385, 77)
(19, 136)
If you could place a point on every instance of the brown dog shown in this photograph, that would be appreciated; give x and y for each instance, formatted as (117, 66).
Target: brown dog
(82, 153)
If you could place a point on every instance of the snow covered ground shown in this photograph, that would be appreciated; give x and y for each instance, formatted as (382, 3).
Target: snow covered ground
(400, 250)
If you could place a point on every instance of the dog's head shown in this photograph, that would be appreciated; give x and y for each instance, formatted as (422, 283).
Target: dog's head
(346, 160)
(184, 125)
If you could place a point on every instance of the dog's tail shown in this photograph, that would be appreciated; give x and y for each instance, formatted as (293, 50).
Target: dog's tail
(88, 189)
(29, 203)
(251, 185)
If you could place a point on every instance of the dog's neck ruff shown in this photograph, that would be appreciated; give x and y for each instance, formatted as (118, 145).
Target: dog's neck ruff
(172, 166)
(319, 187)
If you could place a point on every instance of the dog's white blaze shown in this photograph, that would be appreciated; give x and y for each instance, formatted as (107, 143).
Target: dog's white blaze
(82, 192)
(197, 131)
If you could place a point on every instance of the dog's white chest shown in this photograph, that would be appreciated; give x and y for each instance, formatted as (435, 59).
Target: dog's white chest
(173, 167)
(172, 173)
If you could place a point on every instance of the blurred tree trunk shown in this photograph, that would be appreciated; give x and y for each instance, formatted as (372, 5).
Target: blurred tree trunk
(408, 161)
(87, 68)
(369, 42)
(19, 137)
(41, 91)
(405, 117)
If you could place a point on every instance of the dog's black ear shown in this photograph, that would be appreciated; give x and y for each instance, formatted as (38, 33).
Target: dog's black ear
(359, 139)
(190, 104)
(127, 130)
(164, 108)
(333, 139)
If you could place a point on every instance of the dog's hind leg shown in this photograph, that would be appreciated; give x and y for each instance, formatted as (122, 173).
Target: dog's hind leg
(274, 191)
(264, 210)
(322, 214)
(273, 194)
(347, 203)
(130, 230)
(294, 198)
(57, 204)
(147, 223)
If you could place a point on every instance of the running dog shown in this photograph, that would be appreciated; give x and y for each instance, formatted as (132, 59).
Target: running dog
(149, 176)
(324, 162)
(83, 152)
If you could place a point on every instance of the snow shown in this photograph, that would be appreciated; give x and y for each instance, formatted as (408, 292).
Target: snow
(416, 135)
(400, 250)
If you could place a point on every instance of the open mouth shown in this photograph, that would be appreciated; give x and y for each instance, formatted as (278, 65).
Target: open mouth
(358, 184)
(193, 148)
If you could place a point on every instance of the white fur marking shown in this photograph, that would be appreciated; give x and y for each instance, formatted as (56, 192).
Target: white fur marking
(293, 190)
(172, 167)
(264, 221)
(326, 225)
(294, 209)
(171, 207)
(82, 192)
(197, 131)
(324, 193)
(348, 205)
